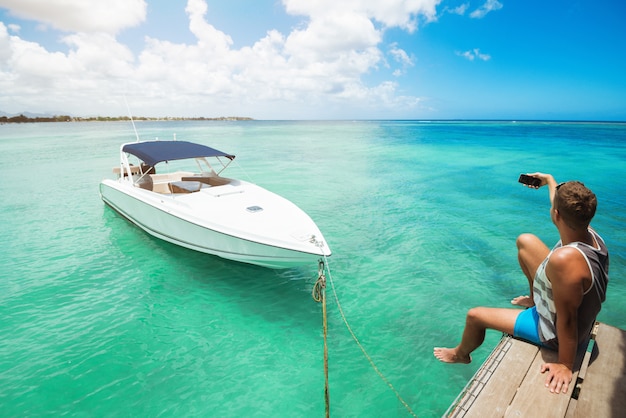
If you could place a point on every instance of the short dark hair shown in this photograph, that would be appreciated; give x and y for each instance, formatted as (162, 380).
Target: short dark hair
(576, 204)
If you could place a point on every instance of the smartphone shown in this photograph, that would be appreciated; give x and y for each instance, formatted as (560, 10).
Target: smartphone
(529, 180)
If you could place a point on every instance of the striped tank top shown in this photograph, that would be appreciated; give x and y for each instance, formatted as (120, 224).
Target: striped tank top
(598, 262)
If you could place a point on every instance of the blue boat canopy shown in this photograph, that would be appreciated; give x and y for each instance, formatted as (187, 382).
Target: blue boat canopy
(153, 152)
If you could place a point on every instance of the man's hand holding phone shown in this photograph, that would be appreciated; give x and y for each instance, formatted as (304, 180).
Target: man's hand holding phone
(530, 181)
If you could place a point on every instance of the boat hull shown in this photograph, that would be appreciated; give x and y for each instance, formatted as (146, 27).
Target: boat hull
(166, 218)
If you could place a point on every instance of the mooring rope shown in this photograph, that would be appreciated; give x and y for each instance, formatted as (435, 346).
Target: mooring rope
(319, 295)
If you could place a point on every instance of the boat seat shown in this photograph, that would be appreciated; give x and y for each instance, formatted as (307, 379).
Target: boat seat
(210, 180)
(184, 186)
(145, 182)
(133, 170)
(147, 169)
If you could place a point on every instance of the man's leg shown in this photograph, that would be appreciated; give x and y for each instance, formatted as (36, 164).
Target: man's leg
(531, 252)
(477, 322)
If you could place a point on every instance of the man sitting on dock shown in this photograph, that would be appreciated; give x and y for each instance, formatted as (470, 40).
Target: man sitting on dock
(567, 287)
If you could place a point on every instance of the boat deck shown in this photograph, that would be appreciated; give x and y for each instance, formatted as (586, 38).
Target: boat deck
(177, 182)
(509, 384)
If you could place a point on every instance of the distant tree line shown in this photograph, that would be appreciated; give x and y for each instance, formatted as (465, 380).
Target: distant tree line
(65, 118)
(26, 119)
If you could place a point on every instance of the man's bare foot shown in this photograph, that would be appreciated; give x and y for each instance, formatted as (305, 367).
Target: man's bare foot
(525, 301)
(449, 355)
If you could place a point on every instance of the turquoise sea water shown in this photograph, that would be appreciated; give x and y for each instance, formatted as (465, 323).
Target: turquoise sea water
(100, 319)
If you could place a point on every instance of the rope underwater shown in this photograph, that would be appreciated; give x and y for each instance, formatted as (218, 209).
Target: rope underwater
(319, 295)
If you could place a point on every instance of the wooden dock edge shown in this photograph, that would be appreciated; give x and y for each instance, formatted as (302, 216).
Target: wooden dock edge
(509, 383)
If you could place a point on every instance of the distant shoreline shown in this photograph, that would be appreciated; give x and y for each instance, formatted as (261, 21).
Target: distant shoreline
(65, 118)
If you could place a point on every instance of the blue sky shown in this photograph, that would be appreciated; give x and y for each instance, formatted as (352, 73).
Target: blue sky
(316, 59)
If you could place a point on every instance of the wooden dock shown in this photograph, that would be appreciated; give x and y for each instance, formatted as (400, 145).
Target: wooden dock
(509, 383)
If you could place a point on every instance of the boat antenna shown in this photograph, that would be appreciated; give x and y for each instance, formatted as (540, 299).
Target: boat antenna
(131, 118)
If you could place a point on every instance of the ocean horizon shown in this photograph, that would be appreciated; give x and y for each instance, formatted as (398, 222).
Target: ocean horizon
(101, 319)
(31, 117)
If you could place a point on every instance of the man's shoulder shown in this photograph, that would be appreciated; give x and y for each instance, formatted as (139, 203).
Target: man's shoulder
(565, 254)
(568, 262)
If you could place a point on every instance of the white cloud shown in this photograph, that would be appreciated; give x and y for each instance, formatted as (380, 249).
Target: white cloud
(208, 36)
(99, 55)
(400, 55)
(474, 54)
(5, 46)
(391, 13)
(489, 6)
(459, 10)
(317, 67)
(81, 15)
(332, 36)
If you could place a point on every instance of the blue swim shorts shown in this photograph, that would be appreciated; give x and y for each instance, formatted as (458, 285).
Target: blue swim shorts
(527, 326)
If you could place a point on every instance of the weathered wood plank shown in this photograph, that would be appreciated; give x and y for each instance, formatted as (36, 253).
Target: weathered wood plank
(509, 375)
(571, 408)
(603, 390)
(496, 382)
(533, 399)
(509, 383)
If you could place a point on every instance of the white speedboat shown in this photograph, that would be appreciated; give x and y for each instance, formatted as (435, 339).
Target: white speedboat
(194, 206)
